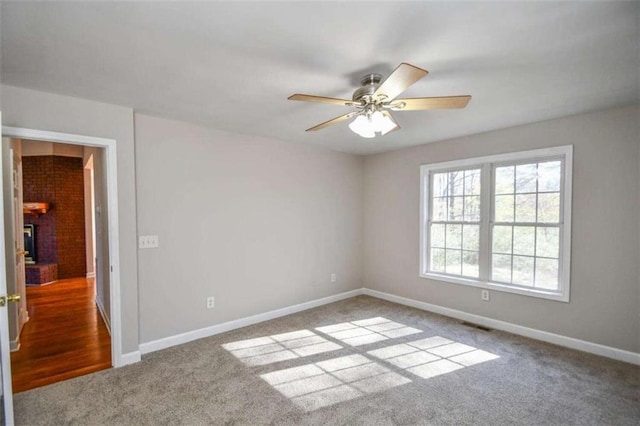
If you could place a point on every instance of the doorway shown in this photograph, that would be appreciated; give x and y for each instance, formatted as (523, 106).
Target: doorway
(104, 248)
(61, 328)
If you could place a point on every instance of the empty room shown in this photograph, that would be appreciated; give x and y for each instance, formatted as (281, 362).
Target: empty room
(341, 212)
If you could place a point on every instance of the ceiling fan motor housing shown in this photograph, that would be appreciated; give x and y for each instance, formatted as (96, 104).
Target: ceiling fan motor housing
(370, 83)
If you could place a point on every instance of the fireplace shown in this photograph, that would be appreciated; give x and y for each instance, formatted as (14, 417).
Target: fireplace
(30, 244)
(36, 273)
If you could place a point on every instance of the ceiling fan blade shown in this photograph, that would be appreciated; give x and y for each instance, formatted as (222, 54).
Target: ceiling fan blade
(332, 121)
(388, 114)
(321, 99)
(442, 102)
(399, 81)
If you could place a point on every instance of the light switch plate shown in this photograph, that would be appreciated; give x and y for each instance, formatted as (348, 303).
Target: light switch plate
(147, 241)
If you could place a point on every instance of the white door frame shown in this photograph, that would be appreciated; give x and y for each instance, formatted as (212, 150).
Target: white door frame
(112, 211)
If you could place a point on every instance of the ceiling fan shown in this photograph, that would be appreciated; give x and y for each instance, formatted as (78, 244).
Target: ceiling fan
(375, 98)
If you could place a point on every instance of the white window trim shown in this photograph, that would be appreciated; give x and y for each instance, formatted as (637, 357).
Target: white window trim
(566, 153)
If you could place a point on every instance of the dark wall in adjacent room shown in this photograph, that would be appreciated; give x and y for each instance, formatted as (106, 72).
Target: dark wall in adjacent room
(38, 185)
(60, 233)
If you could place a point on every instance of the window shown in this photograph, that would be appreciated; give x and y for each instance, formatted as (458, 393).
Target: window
(455, 222)
(501, 222)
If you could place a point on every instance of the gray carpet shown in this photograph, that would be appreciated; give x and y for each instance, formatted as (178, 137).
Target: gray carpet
(400, 366)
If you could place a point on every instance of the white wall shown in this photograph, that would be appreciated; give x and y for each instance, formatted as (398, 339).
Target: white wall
(45, 111)
(101, 222)
(259, 224)
(605, 279)
(89, 218)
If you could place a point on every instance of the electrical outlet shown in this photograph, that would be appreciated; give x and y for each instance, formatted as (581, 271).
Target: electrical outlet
(211, 302)
(147, 241)
(485, 295)
(333, 278)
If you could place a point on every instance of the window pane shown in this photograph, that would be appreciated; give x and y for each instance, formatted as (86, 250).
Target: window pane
(454, 263)
(454, 236)
(549, 176)
(437, 235)
(439, 211)
(437, 260)
(524, 240)
(523, 270)
(526, 208)
(547, 273)
(526, 175)
(501, 268)
(455, 208)
(504, 208)
(455, 196)
(549, 207)
(472, 208)
(470, 266)
(547, 242)
(440, 184)
(501, 239)
(472, 182)
(456, 183)
(471, 239)
(504, 180)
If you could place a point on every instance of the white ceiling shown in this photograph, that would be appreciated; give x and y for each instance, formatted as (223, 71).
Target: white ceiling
(231, 66)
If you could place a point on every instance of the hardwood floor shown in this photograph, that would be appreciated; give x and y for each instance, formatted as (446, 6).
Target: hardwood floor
(65, 336)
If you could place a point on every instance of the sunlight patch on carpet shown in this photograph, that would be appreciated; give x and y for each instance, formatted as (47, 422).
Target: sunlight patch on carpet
(335, 380)
(280, 347)
(329, 382)
(370, 330)
(432, 356)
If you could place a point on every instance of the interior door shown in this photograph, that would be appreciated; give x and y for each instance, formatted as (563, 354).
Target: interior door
(6, 408)
(18, 311)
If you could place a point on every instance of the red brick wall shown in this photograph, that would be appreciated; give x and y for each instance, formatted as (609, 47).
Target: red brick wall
(60, 236)
(38, 185)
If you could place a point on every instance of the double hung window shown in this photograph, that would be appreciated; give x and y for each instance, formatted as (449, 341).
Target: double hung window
(500, 222)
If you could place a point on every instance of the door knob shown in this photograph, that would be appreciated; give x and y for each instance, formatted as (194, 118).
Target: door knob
(21, 252)
(9, 298)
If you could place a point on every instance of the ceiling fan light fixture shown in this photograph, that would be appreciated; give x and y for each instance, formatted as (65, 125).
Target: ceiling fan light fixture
(362, 126)
(368, 125)
(382, 123)
(377, 121)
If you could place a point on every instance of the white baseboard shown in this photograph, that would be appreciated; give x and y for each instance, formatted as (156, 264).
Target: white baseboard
(128, 358)
(14, 345)
(23, 318)
(103, 314)
(42, 284)
(189, 336)
(569, 342)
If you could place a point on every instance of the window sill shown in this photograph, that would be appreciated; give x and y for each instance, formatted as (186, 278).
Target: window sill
(558, 297)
